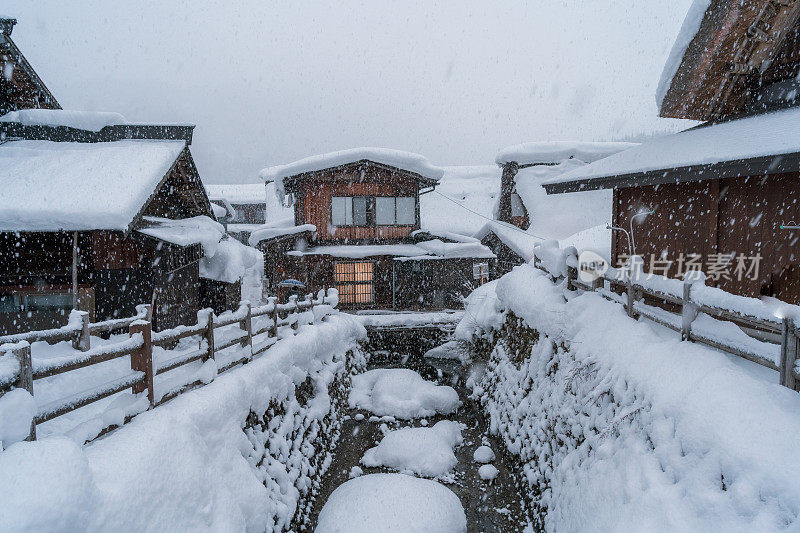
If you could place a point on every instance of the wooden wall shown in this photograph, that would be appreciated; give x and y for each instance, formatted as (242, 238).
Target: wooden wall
(315, 201)
(739, 215)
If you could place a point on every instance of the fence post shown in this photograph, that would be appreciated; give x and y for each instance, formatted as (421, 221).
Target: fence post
(788, 353)
(25, 378)
(689, 310)
(274, 316)
(81, 340)
(572, 275)
(296, 324)
(209, 336)
(247, 325)
(142, 359)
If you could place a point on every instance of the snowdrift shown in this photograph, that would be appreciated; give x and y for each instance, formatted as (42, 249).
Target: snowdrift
(620, 425)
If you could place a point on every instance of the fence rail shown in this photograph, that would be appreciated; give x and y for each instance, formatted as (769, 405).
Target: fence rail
(15, 350)
(698, 312)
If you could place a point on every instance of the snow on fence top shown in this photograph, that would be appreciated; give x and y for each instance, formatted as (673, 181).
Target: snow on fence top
(557, 151)
(690, 27)
(82, 120)
(51, 186)
(769, 134)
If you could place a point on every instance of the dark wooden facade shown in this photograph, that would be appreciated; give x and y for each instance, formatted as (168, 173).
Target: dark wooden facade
(116, 270)
(313, 193)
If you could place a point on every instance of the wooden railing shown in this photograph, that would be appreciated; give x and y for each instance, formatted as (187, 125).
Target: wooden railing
(762, 337)
(139, 346)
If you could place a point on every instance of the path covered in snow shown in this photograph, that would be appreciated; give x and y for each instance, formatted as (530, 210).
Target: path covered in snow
(424, 441)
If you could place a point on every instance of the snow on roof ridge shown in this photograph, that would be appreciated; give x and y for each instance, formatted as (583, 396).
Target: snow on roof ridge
(238, 193)
(397, 158)
(691, 25)
(767, 134)
(82, 120)
(543, 152)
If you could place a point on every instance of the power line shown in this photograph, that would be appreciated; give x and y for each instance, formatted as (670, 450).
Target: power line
(505, 224)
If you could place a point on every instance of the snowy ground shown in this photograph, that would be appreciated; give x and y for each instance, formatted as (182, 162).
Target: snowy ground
(188, 464)
(621, 426)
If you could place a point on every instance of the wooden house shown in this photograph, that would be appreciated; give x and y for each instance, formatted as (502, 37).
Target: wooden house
(722, 196)
(81, 208)
(357, 227)
(525, 215)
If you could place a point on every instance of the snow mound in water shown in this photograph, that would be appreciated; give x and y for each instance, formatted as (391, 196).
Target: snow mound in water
(401, 393)
(423, 451)
(389, 503)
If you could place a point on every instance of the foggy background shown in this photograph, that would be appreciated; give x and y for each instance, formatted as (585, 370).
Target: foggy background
(267, 83)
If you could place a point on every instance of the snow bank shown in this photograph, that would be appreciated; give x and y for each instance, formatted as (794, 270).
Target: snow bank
(690, 27)
(462, 202)
(557, 151)
(424, 451)
(17, 409)
(82, 120)
(401, 393)
(392, 503)
(50, 186)
(188, 464)
(230, 261)
(622, 426)
(396, 158)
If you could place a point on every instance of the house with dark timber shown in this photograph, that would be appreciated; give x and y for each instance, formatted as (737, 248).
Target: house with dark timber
(525, 215)
(20, 86)
(356, 227)
(723, 195)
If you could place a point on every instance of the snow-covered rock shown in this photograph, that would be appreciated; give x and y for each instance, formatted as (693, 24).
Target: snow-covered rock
(488, 472)
(392, 503)
(401, 393)
(424, 451)
(483, 454)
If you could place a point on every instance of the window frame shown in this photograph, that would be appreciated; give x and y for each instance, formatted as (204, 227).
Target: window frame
(395, 222)
(350, 298)
(369, 214)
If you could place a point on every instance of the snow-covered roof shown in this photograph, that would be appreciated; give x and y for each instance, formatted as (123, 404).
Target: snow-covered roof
(185, 231)
(403, 160)
(765, 135)
(462, 202)
(278, 229)
(690, 27)
(431, 249)
(238, 193)
(82, 120)
(520, 241)
(50, 186)
(556, 151)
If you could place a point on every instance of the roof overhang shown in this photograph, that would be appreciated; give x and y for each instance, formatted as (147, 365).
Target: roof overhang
(290, 181)
(739, 168)
(162, 132)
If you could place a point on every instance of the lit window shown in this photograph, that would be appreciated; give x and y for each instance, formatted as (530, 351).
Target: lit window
(354, 281)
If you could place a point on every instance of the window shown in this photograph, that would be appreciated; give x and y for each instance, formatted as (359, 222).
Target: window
(352, 210)
(354, 281)
(395, 211)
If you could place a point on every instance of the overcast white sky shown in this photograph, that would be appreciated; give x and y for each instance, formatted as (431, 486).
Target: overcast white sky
(268, 83)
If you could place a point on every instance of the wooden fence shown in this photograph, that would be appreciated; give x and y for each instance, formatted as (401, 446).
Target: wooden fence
(139, 346)
(762, 337)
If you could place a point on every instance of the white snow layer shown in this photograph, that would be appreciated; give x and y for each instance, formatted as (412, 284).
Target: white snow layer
(768, 134)
(423, 451)
(624, 427)
(396, 158)
(432, 249)
(462, 202)
(483, 454)
(238, 193)
(278, 229)
(690, 27)
(50, 186)
(230, 262)
(82, 120)
(392, 503)
(558, 151)
(401, 393)
(188, 465)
